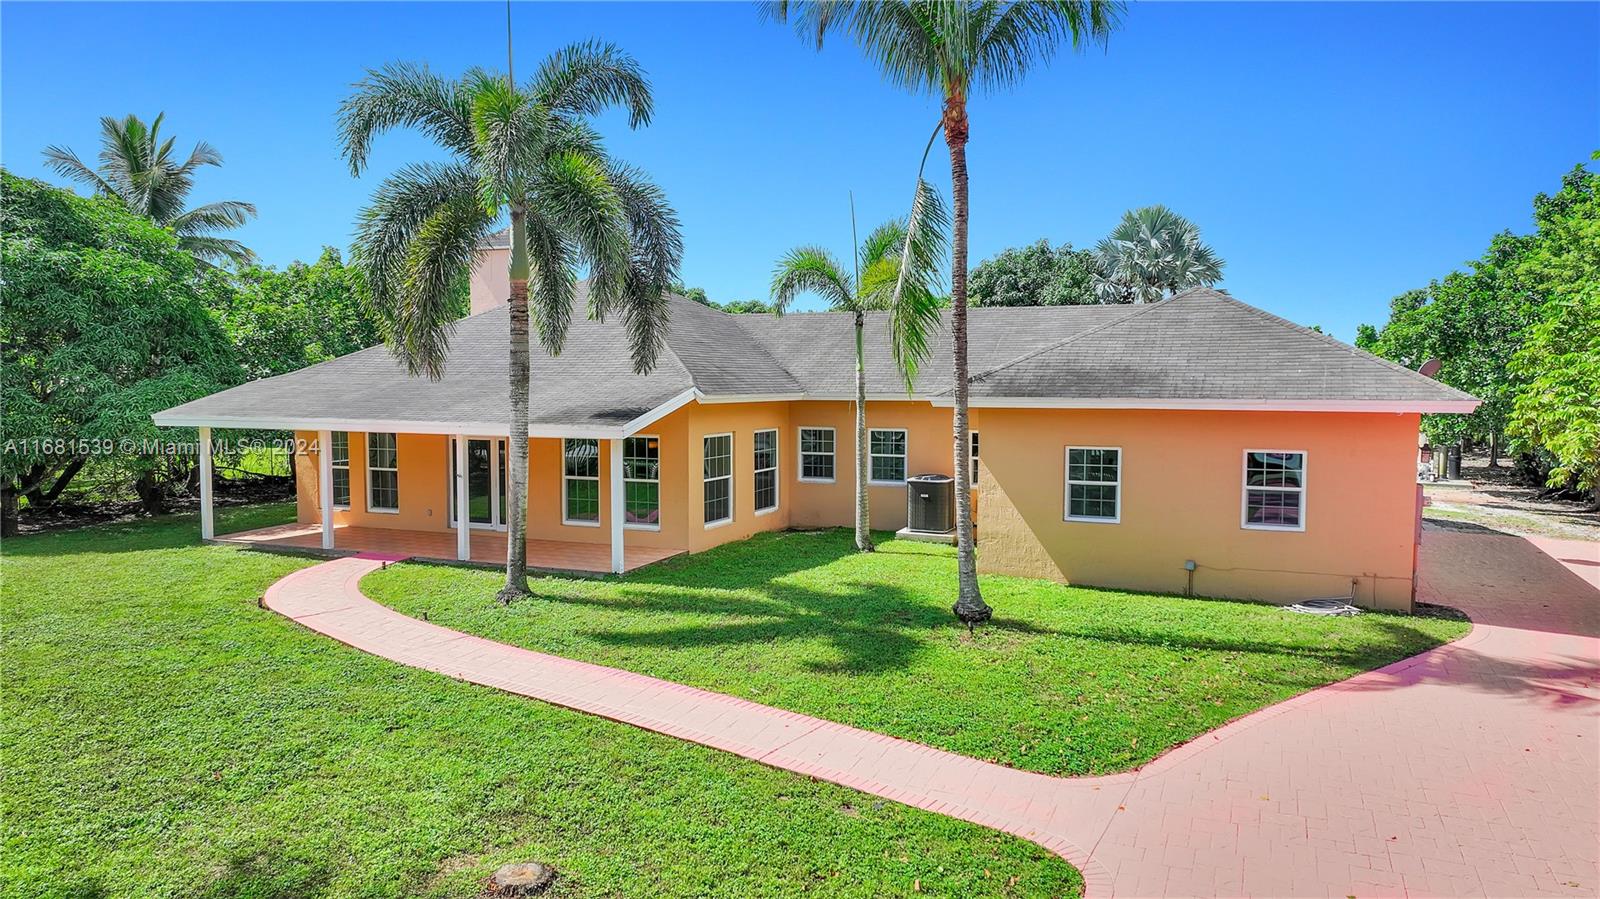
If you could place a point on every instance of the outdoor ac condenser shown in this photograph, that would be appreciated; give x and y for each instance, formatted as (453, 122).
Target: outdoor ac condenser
(931, 503)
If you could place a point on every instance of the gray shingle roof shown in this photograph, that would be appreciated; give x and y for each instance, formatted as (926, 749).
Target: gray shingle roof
(1201, 346)
(1205, 345)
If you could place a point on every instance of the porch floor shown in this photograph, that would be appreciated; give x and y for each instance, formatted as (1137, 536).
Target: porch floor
(488, 547)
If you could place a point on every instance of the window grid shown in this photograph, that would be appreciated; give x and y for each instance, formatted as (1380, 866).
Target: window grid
(383, 473)
(340, 462)
(817, 454)
(641, 482)
(1094, 484)
(580, 481)
(1274, 490)
(766, 470)
(974, 441)
(887, 448)
(718, 479)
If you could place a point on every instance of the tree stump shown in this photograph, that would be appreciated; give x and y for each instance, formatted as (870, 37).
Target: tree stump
(521, 879)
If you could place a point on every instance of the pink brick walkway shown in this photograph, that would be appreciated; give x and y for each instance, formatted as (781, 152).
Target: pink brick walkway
(1470, 770)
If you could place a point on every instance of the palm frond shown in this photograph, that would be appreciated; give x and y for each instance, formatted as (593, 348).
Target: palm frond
(883, 242)
(914, 308)
(403, 95)
(508, 133)
(590, 77)
(437, 256)
(218, 216)
(811, 269)
(212, 252)
(67, 164)
(400, 207)
(553, 285)
(575, 194)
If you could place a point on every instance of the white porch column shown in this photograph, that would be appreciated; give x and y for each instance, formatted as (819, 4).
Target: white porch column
(616, 506)
(325, 485)
(208, 528)
(463, 505)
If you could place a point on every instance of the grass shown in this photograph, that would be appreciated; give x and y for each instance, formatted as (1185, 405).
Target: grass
(160, 735)
(1065, 681)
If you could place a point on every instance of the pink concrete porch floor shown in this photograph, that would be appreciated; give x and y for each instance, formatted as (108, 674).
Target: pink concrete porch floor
(488, 547)
(1469, 770)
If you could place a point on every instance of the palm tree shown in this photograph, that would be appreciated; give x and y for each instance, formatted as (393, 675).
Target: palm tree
(138, 168)
(530, 154)
(951, 48)
(874, 284)
(1153, 253)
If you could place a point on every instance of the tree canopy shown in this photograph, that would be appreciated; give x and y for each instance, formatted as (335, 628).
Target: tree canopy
(103, 325)
(1035, 275)
(1520, 330)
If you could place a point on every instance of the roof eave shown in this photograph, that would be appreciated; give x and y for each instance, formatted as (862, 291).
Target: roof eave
(1458, 406)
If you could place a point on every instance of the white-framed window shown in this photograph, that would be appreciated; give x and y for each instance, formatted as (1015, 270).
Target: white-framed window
(718, 474)
(816, 455)
(974, 441)
(341, 468)
(1094, 484)
(765, 448)
(1274, 490)
(383, 473)
(641, 483)
(887, 456)
(580, 481)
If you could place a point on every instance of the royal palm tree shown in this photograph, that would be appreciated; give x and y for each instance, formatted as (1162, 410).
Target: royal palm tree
(528, 154)
(950, 49)
(138, 168)
(1153, 253)
(874, 283)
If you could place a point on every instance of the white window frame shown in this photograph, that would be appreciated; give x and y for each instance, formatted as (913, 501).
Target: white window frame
(335, 465)
(1066, 473)
(499, 451)
(1245, 488)
(600, 502)
(639, 525)
(904, 457)
(777, 480)
(800, 455)
(972, 450)
(732, 455)
(383, 510)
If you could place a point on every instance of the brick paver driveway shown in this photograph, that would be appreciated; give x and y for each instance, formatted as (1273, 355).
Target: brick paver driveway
(1470, 770)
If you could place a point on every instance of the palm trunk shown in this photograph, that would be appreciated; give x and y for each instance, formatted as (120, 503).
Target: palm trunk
(863, 519)
(517, 469)
(969, 607)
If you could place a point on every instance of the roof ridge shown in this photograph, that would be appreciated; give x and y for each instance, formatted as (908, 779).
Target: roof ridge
(1330, 340)
(738, 322)
(1144, 309)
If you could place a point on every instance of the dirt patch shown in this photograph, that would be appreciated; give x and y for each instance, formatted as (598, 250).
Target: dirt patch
(1499, 499)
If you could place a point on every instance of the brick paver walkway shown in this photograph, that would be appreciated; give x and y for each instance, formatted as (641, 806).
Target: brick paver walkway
(1470, 770)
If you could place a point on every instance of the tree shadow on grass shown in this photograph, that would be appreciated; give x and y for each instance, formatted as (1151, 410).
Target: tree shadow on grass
(265, 876)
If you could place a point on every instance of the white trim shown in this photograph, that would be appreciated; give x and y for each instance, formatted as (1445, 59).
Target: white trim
(1244, 490)
(379, 426)
(383, 510)
(754, 398)
(776, 469)
(632, 428)
(614, 450)
(1232, 405)
(325, 482)
(905, 458)
(500, 448)
(208, 525)
(463, 505)
(800, 455)
(566, 518)
(639, 525)
(1067, 482)
(732, 467)
(972, 454)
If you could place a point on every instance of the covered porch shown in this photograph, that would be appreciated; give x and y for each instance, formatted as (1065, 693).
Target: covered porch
(487, 547)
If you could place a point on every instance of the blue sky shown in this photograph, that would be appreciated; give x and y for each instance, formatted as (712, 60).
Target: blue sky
(1334, 154)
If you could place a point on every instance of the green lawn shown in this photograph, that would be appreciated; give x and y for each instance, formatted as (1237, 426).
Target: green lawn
(1065, 681)
(160, 735)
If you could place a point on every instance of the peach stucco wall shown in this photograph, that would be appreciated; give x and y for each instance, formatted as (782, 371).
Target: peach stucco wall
(1181, 500)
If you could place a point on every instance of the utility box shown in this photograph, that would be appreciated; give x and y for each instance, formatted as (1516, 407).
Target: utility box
(931, 504)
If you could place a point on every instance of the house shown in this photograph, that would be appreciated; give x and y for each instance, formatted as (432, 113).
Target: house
(1193, 445)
